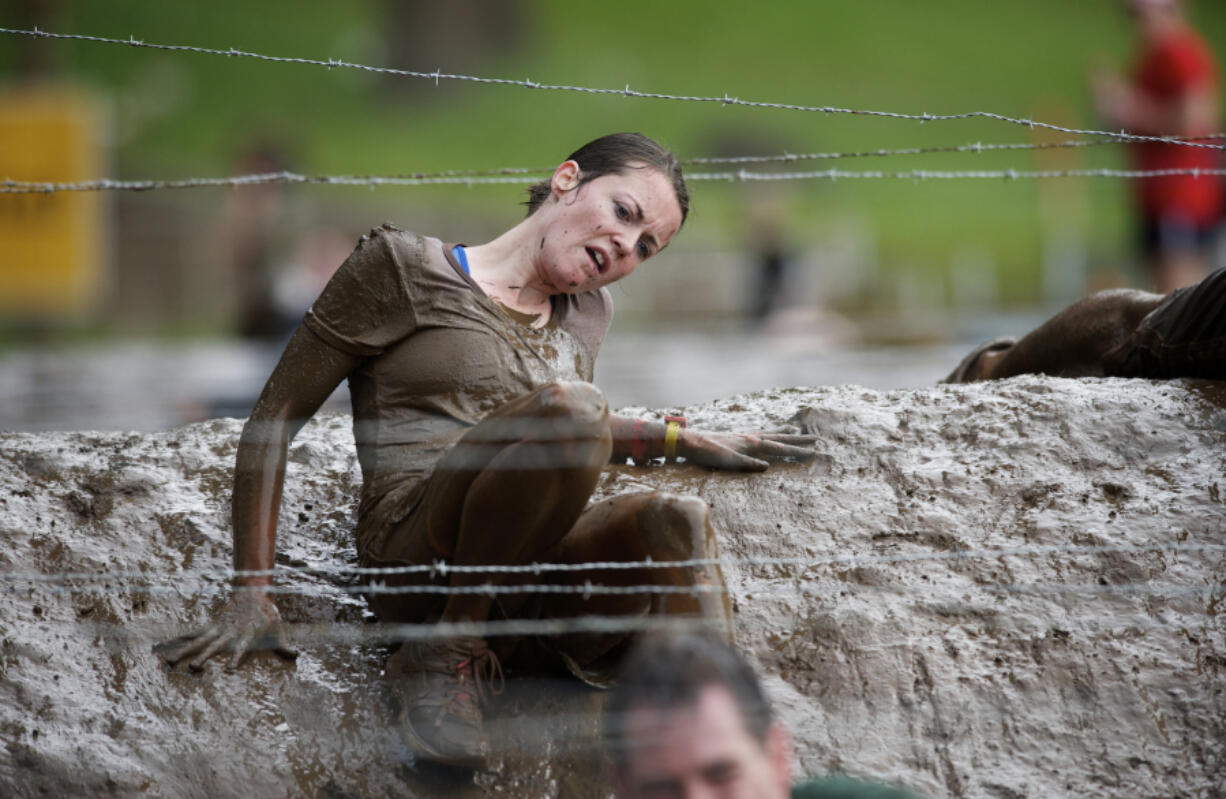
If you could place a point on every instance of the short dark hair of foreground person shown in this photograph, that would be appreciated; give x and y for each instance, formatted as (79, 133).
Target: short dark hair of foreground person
(689, 718)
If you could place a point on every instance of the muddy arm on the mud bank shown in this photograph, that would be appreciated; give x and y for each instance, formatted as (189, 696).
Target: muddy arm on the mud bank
(307, 373)
(734, 451)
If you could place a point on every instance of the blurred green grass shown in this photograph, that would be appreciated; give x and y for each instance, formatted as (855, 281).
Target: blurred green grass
(182, 114)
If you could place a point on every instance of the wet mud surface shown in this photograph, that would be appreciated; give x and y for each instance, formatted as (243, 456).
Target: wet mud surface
(975, 616)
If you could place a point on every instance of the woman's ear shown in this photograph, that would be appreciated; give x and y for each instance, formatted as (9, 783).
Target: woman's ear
(565, 178)
(780, 753)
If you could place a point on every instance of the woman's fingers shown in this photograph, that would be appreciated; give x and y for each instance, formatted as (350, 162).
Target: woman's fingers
(744, 452)
(744, 463)
(777, 449)
(248, 623)
(218, 644)
(723, 456)
(794, 439)
(255, 641)
(241, 649)
(790, 438)
(770, 446)
(176, 649)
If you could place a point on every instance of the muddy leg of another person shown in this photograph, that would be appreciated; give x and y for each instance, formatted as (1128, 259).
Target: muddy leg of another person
(1077, 342)
(633, 528)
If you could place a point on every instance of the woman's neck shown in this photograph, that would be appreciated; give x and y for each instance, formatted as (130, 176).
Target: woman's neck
(504, 270)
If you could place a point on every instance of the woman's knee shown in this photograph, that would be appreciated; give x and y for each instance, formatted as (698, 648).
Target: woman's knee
(580, 402)
(557, 410)
(676, 526)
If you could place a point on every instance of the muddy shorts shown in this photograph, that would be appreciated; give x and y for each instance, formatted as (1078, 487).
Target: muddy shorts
(1185, 336)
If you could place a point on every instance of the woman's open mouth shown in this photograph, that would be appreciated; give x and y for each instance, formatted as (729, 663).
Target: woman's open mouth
(598, 259)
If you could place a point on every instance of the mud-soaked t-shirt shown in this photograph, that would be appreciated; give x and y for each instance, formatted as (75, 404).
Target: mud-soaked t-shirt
(438, 355)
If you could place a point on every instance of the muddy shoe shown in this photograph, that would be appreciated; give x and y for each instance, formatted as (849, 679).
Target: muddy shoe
(443, 685)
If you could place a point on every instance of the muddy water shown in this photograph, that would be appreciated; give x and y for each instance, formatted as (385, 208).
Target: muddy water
(1082, 666)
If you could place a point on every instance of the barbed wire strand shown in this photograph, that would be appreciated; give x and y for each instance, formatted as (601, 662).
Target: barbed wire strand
(918, 175)
(785, 157)
(384, 633)
(527, 174)
(442, 568)
(344, 632)
(974, 147)
(265, 178)
(626, 91)
(589, 589)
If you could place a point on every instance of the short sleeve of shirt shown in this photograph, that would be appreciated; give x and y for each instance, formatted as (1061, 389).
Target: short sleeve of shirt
(367, 305)
(588, 317)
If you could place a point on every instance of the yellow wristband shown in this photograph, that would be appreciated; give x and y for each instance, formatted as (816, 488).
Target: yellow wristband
(670, 440)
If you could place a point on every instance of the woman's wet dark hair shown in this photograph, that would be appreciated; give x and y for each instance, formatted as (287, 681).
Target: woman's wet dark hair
(614, 154)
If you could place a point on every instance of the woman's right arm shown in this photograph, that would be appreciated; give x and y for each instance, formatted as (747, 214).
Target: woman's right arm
(308, 372)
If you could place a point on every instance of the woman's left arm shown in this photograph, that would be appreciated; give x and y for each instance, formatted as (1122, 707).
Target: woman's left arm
(644, 440)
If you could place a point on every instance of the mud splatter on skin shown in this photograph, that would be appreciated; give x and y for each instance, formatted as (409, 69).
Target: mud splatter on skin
(1055, 686)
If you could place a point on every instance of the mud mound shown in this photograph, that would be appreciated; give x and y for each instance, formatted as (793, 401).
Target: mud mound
(1002, 590)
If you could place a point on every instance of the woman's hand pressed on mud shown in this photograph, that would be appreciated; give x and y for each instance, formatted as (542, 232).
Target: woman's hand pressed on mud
(249, 622)
(743, 451)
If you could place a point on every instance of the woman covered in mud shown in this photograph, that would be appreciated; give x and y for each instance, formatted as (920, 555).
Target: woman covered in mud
(481, 437)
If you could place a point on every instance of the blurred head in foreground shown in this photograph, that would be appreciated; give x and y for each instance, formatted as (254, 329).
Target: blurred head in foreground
(688, 719)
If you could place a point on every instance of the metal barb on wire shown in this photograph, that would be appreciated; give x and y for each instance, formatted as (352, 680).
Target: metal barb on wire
(625, 92)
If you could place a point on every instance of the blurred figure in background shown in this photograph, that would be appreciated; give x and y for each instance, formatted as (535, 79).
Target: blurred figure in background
(766, 237)
(280, 255)
(689, 719)
(257, 222)
(1172, 92)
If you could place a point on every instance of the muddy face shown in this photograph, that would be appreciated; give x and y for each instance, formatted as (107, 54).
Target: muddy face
(598, 232)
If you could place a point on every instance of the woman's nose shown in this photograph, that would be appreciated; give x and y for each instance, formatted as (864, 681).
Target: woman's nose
(620, 239)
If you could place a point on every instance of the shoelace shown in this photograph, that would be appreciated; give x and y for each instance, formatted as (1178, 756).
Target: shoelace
(483, 669)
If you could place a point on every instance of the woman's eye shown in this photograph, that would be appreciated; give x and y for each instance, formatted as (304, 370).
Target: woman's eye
(644, 250)
(623, 212)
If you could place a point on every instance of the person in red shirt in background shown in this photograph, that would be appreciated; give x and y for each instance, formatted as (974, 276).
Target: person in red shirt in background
(1173, 91)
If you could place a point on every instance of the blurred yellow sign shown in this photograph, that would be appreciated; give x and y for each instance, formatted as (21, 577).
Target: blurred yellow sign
(51, 245)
